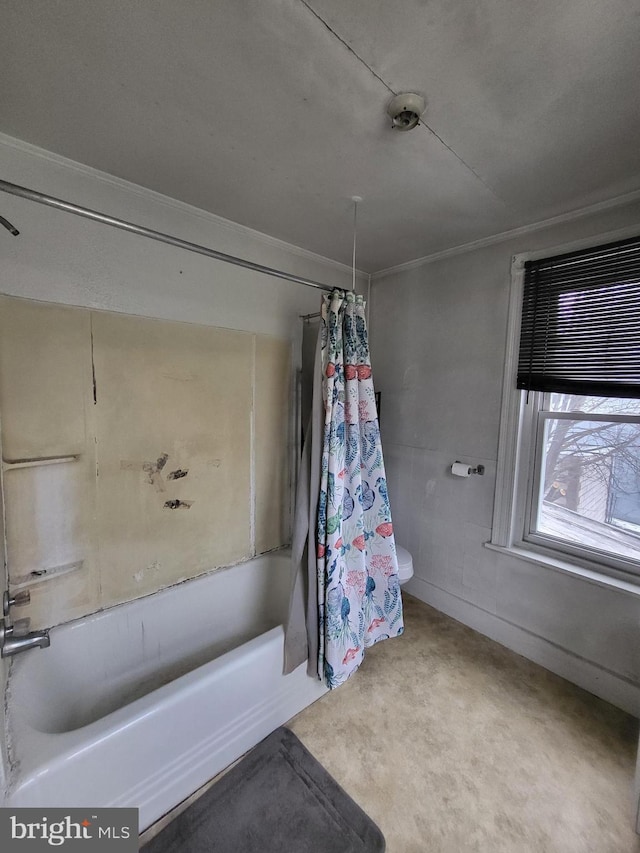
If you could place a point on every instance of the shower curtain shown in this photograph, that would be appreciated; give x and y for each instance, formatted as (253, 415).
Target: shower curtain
(345, 570)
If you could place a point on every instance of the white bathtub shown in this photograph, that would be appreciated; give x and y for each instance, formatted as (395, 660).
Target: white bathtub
(143, 703)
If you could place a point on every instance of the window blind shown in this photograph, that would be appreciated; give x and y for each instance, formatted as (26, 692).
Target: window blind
(580, 330)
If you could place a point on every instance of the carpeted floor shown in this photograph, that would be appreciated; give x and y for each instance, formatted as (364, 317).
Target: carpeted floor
(452, 743)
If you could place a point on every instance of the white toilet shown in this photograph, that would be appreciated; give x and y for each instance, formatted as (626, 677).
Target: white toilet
(405, 564)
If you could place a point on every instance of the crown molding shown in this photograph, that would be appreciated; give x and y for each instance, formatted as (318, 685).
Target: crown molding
(503, 236)
(181, 206)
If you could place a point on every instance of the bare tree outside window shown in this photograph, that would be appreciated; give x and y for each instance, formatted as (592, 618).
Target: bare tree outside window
(590, 475)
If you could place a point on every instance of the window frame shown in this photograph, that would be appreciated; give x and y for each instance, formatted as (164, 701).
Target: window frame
(516, 466)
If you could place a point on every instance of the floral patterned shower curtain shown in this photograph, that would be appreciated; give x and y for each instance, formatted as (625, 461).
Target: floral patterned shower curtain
(359, 597)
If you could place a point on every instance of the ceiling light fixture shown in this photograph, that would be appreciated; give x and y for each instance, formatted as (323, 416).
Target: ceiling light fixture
(405, 110)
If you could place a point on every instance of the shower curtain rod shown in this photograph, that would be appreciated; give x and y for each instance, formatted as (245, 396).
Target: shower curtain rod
(87, 213)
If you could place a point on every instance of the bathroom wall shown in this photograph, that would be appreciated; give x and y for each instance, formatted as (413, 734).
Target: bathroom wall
(248, 328)
(438, 333)
(4, 664)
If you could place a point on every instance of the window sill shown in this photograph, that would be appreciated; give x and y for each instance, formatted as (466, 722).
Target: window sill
(590, 575)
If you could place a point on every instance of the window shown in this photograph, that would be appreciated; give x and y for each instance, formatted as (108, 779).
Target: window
(586, 476)
(569, 469)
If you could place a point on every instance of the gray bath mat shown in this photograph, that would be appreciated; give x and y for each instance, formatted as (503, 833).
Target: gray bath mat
(278, 799)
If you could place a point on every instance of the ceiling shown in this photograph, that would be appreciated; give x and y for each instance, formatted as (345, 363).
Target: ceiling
(272, 113)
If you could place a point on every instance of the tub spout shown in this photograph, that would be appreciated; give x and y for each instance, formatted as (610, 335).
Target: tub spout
(12, 645)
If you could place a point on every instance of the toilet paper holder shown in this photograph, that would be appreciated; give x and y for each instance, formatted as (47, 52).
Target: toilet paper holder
(470, 469)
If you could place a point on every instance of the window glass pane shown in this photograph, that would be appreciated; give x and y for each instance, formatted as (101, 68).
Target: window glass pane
(590, 485)
(595, 405)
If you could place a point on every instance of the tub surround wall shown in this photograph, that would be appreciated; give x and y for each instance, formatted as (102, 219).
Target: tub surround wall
(176, 397)
(272, 402)
(4, 663)
(171, 441)
(438, 335)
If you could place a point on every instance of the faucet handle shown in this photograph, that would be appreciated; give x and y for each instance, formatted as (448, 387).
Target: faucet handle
(18, 600)
(21, 627)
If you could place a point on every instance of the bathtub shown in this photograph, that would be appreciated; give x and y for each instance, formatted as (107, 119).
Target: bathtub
(142, 704)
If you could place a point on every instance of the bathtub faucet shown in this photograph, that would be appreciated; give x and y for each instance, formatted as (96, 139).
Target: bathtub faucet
(11, 643)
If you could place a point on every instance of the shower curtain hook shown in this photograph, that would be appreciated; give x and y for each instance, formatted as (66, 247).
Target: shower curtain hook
(355, 199)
